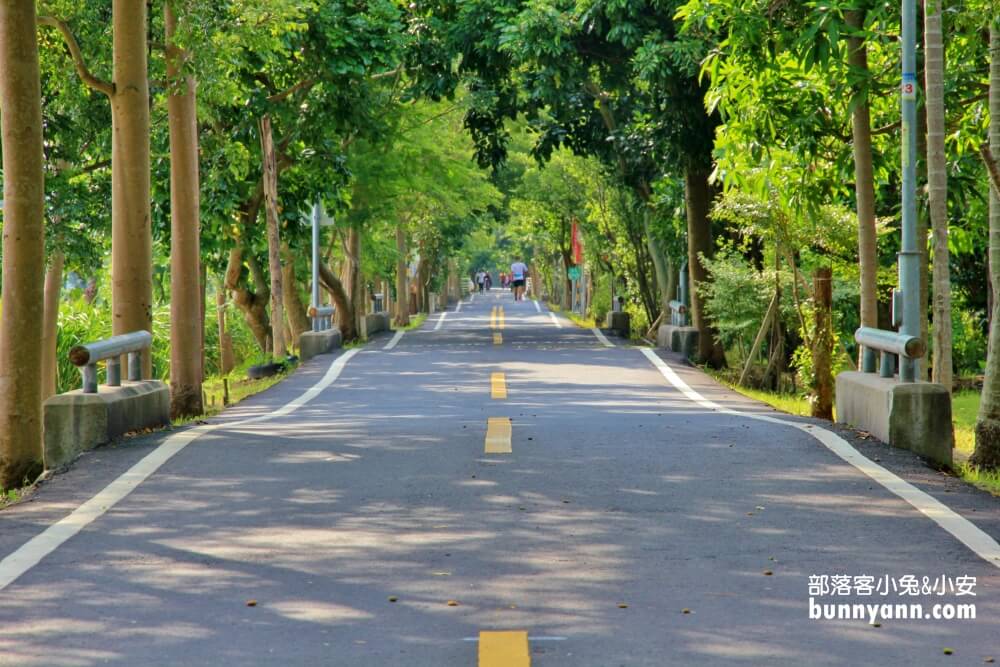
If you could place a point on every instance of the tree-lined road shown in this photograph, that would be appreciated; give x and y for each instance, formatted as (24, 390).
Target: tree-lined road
(628, 524)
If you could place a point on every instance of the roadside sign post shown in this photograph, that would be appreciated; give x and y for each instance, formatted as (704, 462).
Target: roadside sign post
(573, 273)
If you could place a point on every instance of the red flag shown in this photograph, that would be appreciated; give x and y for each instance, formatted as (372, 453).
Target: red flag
(576, 244)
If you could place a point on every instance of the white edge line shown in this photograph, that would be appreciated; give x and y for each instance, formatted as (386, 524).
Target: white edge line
(960, 528)
(440, 320)
(395, 339)
(601, 337)
(458, 308)
(537, 307)
(34, 550)
(555, 320)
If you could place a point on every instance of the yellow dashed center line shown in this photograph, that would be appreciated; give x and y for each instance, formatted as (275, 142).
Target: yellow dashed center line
(498, 385)
(504, 649)
(498, 431)
(497, 338)
(497, 318)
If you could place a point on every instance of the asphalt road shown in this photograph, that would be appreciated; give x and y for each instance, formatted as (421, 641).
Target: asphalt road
(627, 525)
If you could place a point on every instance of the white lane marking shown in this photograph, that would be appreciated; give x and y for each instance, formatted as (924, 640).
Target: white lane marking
(440, 320)
(601, 337)
(34, 550)
(458, 308)
(537, 307)
(961, 528)
(555, 321)
(395, 339)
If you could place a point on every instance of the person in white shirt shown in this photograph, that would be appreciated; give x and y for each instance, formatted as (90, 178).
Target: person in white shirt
(518, 275)
(480, 279)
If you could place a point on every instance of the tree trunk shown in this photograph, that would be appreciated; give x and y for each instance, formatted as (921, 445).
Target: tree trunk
(185, 233)
(663, 282)
(698, 199)
(203, 284)
(822, 398)
(402, 302)
(422, 285)
(937, 189)
(987, 452)
(227, 359)
(921, 366)
(278, 347)
(864, 185)
(295, 310)
(341, 301)
(253, 306)
(131, 236)
(347, 314)
(23, 247)
(53, 290)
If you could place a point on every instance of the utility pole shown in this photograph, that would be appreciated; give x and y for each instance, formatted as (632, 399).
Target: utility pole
(909, 259)
(315, 265)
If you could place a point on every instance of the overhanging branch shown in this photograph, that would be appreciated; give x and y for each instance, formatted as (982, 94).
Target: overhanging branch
(74, 50)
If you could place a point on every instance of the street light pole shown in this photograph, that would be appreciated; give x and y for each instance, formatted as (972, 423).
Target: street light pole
(315, 265)
(909, 258)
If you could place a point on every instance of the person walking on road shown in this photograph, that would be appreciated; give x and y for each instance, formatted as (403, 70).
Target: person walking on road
(480, 280)
(518, 274)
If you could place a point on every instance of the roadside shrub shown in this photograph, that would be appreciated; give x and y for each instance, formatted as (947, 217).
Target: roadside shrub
(968, 343)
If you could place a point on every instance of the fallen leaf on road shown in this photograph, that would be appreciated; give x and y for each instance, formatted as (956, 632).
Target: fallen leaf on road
(768, 573)
(622, 605)
(393, 598)
(452, 603)
(947, 651)
(251, 603)
(685, 610)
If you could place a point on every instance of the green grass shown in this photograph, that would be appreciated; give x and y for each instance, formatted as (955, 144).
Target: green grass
(415, 322)
(240, 388)
(581, 321)
(964, 407)
(12, 496)
(984, 479)
(793, 404)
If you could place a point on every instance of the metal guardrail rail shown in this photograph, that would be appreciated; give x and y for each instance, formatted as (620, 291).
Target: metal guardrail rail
(890, 344)
(110, 350)
(322, 317)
